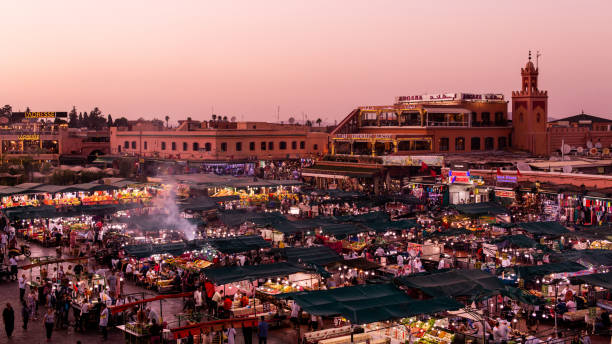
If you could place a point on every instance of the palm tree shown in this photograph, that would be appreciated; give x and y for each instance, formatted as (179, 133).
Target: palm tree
(319, 122)
(214, 117)
(224, 118)
(167, 119)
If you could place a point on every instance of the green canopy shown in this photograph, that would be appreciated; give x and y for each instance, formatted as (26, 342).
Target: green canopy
(594, 233)
(532, 271)
(518, 240)
(318, 255)
(452, 232)
(382, 226)
(544, 228)
(454, 283)
(239, 244)
(343, 230)
(478, 209)
(234, 218)
(521, 295)
(364, 304)
(587, 257)
(229, 274)
(603, 280)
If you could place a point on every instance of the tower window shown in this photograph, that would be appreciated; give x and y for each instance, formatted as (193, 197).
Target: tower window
(538, 117)
(521, 117)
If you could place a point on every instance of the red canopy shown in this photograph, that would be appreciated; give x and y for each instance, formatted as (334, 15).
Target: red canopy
(195, 329)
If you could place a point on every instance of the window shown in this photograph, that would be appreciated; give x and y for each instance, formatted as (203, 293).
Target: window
(282, 145)
(315, 147)
(196, 146)
(293, 145)
(270, 145)
(126, 144)
(501, 143)
(145, 145)
(474, 118)
(133, 144)
(263, 146)
(489, 143)
(224, 146)
(173, 146)
(538, 117)
(119, 148)
(185, 146)
(163, 144)
(499, 119)
(207, 146)
(252, 146)
(475, 145)
(238, 146)
(486, 117)
(302, 144)
(521, 117)
(459, 144)
(443, 144)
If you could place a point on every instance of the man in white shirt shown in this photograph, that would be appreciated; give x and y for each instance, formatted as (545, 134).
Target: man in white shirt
(104, 321)
(295, 311)
(22, 286)
(84, 316)
(197, 297)
(400, 260)
(13, 264)
(571, 305)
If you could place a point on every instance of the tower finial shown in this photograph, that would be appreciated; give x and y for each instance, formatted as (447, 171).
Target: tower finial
(529, 55)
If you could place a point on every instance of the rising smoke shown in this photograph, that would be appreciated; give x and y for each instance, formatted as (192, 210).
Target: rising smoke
(166, 204)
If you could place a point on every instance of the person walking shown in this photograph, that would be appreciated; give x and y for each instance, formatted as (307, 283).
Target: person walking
(231, 335)
(8, 315)
(49, 320)
(22, 285)
(262, 331)
(25, 315)
(13, 264)
(104, 321)
(247, 333)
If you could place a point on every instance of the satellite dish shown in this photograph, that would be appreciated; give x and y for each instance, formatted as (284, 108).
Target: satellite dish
(566, 149)
(567, 169)
(580, 150)
(589, 144)
(593, 151)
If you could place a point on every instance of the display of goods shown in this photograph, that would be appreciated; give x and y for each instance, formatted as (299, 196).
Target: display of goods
(79, 227)
(356, 245)
(164, 283)
(274, 288)
(601, 245)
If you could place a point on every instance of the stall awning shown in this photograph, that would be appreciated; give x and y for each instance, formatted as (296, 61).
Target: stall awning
(478, 209)
(591, 233)
(544, 228)
(518, 240)
(473, 283)
(239, 244)
(527, 272)
(234, 218)
(342, 230)
(522, 295)
(587, 257)
(360, 263)
(452, 232)
(340, 170)
(318, 255)
(382, 226)
(229, 274)
(603, 280)
(364, 304)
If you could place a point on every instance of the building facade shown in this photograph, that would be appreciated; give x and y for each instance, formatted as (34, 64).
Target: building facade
(581, 132)
(221, 141)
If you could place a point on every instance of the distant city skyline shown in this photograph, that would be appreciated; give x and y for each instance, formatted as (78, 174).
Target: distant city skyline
(246, 59)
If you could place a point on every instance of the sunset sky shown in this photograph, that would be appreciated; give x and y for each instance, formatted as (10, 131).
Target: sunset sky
(323, 58)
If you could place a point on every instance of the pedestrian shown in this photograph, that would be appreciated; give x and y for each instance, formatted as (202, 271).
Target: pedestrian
(247, 333)
(104, 321)
(49, 320)
(13, 263)
(8, 315)
(262, 331)
(231, 335)
(155, 331)
(22, 285)
(25, 315)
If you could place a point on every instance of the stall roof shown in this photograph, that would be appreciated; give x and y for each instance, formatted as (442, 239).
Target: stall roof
(56, 188)
(318, 255)
(527, 272)
(239, 244)
(518, 240)
(13, 191)
(603, 280)
(237, 217)
(547, 228)
(454, 283)
(342, 230)
(363, 304)
(28, 186)
(360, 263)
(198, 204)
(229, 274)
(484, 208)
(381, 226)
(591, 233)
(588, 257)
(452, 232)
(340, 170)
(522, 296)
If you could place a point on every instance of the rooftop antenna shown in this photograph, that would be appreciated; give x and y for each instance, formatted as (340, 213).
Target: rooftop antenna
(278, 113)
(538, 58)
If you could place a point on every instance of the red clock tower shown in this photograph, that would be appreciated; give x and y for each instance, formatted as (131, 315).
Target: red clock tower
(530, 113)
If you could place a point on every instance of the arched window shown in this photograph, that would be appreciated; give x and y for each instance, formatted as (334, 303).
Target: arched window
(538, 117)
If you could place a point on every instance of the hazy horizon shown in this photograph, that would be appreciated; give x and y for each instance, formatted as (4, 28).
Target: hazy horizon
(151, 58)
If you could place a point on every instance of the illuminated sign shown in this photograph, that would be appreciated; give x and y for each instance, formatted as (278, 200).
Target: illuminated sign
(449, 97)
(364, 136)
(504, 193)
(38, 114)
(506, 179)
(459, 177)
(28, 137)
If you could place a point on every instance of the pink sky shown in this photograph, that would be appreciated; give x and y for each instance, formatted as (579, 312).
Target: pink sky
(323, 58)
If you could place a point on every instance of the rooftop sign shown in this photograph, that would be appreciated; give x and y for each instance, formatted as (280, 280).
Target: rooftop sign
(449, 97)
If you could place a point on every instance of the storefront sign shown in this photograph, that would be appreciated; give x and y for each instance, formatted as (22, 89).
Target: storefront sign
(38, 114)
(28, 137)
(506, 179)
(364, 136)
(449, 97)
(505, 193)
(413, 160)
(459, 177)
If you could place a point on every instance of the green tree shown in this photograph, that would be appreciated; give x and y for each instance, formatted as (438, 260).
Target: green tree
(319, 122)
(80, 120)
(167, 119)
(121, 122)
(73, 118)
(96, 121)
(308, 123)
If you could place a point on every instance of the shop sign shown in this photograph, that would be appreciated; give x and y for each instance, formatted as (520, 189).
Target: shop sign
(412, 160)
(449, 96)
(28, 137)
(364, 136)
(505, 193)
(459, 177)
(506, 179)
